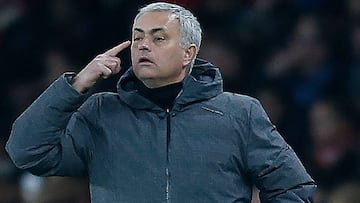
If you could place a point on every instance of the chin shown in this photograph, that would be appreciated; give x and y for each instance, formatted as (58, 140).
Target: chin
(144, 73)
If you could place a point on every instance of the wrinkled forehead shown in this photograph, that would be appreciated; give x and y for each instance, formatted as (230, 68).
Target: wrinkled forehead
(155, 19)
(170, 13)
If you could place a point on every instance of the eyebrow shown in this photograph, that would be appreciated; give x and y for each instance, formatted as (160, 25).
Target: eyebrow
(152, 31)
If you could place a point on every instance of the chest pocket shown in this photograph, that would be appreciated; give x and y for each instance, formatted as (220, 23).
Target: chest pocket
(204, 136)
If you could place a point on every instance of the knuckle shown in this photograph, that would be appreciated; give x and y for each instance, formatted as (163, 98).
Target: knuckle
(97, 64)
(97, 60)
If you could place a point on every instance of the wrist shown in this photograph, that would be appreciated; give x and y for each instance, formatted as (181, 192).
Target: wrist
(77, 85)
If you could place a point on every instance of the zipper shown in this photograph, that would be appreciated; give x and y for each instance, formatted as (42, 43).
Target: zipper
(212, 110)
(168, 132)
(167, 172)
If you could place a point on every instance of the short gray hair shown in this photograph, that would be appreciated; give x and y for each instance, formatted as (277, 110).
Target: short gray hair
(190, 30)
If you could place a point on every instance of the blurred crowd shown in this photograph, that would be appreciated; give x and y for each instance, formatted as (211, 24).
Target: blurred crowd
(300, 58)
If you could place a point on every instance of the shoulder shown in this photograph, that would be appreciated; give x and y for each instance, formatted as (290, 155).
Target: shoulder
(104, 97)
(101, 100)
(235, 97)
(236, 101)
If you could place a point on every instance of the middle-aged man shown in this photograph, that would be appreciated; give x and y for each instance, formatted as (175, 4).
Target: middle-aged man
(170, 134)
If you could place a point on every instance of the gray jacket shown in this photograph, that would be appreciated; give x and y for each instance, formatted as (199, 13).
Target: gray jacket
(212, 146)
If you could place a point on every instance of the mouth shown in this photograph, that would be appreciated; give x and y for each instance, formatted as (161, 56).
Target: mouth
(144, 60)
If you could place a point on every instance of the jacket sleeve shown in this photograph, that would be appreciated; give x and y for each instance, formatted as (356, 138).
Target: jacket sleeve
(274, 166)
(43, 139)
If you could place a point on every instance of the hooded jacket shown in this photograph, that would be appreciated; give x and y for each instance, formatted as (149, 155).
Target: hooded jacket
(212, 146)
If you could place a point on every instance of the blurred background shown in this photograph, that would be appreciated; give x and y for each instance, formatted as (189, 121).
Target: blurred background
(300, 58)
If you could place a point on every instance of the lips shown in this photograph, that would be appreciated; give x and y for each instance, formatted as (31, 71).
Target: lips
(144, 59)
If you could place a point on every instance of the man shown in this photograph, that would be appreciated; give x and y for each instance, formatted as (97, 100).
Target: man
(169, 134)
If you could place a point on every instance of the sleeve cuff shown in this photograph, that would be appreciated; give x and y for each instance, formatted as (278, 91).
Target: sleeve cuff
(66, 94)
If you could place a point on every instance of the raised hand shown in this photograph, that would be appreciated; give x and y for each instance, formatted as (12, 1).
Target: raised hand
(102, 66)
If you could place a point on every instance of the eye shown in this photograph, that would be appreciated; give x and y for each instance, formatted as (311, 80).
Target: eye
(137, 39)
(159, 38)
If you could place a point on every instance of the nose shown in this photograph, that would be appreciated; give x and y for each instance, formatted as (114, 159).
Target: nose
(144, 44)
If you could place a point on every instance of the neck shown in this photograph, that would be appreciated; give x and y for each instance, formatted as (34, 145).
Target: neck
(163, 96)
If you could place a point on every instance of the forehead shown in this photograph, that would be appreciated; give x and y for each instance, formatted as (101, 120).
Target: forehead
(151, 20)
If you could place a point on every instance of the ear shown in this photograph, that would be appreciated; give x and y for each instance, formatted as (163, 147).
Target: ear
(190, 53)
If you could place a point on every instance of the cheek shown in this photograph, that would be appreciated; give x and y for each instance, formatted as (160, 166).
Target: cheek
(172, 56)
(132, 49)
(133, 55)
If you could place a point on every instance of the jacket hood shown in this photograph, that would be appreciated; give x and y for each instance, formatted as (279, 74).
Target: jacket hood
(204, 82)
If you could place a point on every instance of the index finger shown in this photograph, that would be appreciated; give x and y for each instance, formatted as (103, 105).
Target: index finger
(115, 50)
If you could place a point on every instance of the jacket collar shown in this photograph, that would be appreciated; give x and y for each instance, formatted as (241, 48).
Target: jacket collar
(203, 83)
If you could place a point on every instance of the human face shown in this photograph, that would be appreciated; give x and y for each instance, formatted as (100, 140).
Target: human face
(156, 55)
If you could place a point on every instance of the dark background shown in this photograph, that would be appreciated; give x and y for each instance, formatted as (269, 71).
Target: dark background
(300, 58)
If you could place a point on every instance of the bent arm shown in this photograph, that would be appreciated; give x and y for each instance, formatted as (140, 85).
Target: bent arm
(275, 168)
(40, 141)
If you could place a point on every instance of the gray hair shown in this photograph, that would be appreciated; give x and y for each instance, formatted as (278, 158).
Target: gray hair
(190, 30)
